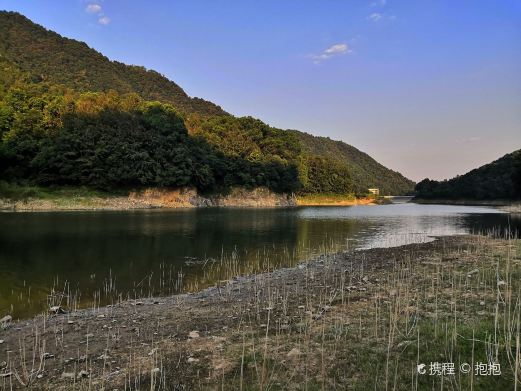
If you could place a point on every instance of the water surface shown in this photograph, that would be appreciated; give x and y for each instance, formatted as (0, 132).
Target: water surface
(78, 257)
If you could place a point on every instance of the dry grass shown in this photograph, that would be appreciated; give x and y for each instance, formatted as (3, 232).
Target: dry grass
(358, 321)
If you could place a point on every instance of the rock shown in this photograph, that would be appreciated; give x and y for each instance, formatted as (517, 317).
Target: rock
(39, 376)
(1, 341)
(56, 310)
(192, 360)
(6, 321)
(193, 334)
(68, 375)
(481, 303)
(293, 353)
(83, 374)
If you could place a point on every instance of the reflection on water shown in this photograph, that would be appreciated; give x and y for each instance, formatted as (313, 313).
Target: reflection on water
(94, 254)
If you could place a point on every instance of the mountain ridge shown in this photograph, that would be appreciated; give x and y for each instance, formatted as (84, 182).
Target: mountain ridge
(499, 179)
(40, 57)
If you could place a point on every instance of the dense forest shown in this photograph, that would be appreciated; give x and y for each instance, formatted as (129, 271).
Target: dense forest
(70, 116)
(500, 179)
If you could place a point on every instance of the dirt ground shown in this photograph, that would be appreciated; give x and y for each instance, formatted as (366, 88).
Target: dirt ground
(266, 331)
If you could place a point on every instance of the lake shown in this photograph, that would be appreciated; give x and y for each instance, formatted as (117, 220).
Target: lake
(94, 258)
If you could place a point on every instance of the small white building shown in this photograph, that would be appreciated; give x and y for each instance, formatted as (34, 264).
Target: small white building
(374, 191)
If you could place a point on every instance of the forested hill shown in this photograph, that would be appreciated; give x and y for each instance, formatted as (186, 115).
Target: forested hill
(47, 56)
(365, 171)
(500, 179)
(70, 116)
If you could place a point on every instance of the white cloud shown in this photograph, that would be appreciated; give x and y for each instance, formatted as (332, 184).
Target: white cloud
(375, 17)
(379, 17)
(335, 50)
(104, 20)
(93, 8)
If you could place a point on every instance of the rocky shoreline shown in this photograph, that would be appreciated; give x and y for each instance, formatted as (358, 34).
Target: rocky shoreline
(199, 340)
(153, 198)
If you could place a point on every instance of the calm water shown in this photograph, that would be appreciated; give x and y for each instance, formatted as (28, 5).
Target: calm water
(103, 256)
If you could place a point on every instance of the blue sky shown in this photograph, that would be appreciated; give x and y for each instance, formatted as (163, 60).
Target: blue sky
(428, 88)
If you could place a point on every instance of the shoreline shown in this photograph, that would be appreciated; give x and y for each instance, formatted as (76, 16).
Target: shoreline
(200, 340)
(156, 198)
(504, 205)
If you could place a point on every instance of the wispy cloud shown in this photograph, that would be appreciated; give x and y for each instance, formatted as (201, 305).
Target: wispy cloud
(380, 17)
(332, 51)
(104, 20)
(375, 17)
(93, 8)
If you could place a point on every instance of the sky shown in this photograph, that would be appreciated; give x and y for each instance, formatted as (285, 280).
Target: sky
(427, 88)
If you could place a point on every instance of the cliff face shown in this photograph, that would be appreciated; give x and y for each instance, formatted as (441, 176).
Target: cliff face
(188, 197)
(155, 198)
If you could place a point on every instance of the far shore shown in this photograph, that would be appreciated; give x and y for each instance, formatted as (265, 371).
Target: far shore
(81, 199)
(510, 206)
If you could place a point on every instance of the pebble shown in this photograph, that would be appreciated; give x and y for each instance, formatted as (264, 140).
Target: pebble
(6, 320)
(56, 309)
(1, 341)
(293, 353)
(83, 374)
(192, 360)
(193, 334)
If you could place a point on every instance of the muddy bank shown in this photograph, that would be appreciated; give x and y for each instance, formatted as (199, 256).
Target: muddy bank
(153, 198)
(310, 325)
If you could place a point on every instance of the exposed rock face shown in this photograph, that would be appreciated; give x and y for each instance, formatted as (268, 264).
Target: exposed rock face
(157, 198)
(188, 197)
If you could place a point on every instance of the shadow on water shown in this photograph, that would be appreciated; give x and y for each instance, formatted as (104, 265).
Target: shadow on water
(81, 258)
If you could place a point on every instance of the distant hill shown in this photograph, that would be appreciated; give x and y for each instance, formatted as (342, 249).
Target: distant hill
(365, 171)
(48, 56)
(500, 179)
(65, 108)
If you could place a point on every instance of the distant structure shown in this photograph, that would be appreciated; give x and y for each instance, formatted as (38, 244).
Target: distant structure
(375, 192)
